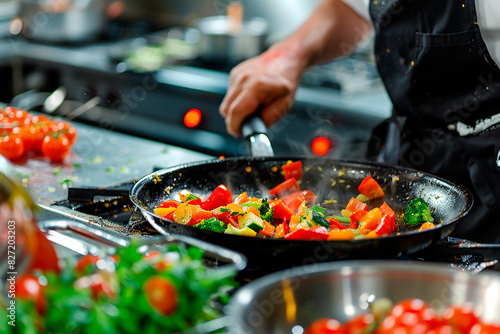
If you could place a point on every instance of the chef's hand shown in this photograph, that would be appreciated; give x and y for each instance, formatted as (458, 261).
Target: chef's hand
(268, 81)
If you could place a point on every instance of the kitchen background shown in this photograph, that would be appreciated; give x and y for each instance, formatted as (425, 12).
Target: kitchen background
(158, 69)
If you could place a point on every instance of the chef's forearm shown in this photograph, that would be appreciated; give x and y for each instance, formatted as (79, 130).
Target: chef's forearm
(331, 31)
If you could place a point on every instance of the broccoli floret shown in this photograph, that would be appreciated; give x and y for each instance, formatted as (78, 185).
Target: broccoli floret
(417, 212)
(266, 212)
(212, 224)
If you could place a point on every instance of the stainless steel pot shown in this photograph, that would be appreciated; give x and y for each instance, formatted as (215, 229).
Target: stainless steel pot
(218, 43)
(63, 21)
(296, 297)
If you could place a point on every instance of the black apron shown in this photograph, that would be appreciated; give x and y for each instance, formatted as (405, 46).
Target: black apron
(445, 88)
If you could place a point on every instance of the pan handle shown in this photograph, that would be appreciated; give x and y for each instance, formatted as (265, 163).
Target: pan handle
(255, 132)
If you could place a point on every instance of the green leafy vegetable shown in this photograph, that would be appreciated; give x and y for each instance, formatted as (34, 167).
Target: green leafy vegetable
(73, 307)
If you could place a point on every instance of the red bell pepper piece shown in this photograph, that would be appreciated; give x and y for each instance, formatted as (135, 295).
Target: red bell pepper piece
(293, 170)
(170, 203)
(335, 224)
(370, 188)
(302, 195)
(280, 209)
(355, 205)
(221, 196)
(385, 209)
(295, 199)
(170, 216)
(388, 222)
(286, 227)
(287, 187)
(309, 233)
(355, 216)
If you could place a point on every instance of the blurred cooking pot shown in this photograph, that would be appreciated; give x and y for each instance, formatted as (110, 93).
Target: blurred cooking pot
(280, 302)
(63, 21)
(221, 40)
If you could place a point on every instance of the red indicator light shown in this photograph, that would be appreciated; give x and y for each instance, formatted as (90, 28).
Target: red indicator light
(192, 118)
(320, 146)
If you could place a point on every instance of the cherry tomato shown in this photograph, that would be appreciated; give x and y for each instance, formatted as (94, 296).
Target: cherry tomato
(461, 317)
(410, 305)
(360, 323)
(158, 260)
(100, 287)
(28, 288)
(11, 146)
(40, 129)
(56, 148)
(43, 254)
(28, 135)
(326, 326)
(443, 329)
(66, 129)
(161, 294)
(482, 328)
(85, 261)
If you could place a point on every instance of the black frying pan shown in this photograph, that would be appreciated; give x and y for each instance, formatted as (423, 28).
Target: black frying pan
(329, 179)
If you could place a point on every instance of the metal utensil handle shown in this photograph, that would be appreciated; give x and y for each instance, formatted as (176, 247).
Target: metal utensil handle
(253, 125)
(255, 131)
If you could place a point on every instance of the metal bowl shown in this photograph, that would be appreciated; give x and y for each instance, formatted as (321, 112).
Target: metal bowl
(295, 297)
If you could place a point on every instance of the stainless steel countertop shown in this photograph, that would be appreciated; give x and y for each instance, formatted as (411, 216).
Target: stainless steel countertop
(99, 158)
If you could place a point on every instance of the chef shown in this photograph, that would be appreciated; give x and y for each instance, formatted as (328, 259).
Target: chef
(438, 61)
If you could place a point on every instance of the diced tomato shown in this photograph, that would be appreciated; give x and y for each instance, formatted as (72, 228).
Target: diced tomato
(309, 233)
(370, 188)
(268, 229)
(169, 203)
(355, 205)
(221, 196)
(287, 187)
(280, 209)
(293, 170)
(335, 224)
